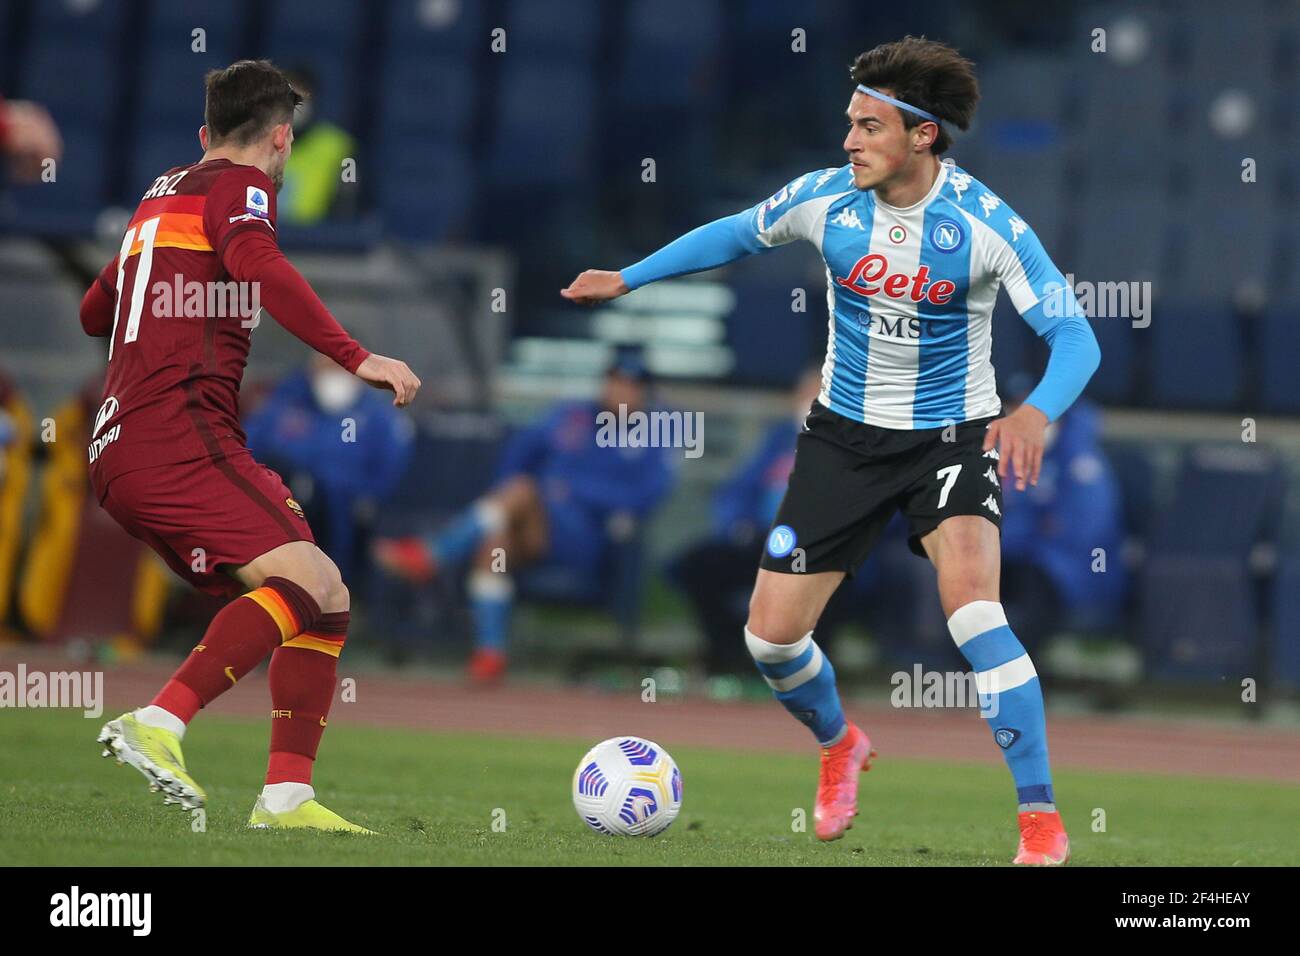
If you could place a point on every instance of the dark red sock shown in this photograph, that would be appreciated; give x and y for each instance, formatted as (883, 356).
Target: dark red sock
(303, 674)
(241, 635)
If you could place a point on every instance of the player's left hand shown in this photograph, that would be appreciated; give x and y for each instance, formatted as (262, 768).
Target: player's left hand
(381, 371)
(1019, 439)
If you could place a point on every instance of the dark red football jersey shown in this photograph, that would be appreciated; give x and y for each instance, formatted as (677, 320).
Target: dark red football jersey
(181, 323)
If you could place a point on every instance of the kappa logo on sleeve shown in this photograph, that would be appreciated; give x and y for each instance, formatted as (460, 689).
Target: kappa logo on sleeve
(257, 203)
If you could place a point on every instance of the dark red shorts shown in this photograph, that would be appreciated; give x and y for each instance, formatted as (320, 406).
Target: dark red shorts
(207, 515)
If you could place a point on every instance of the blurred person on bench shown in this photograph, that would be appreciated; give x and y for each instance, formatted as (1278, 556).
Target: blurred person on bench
(561, 497)
(342, 447)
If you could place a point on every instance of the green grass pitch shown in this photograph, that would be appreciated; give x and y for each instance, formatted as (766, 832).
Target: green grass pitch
(433, 798)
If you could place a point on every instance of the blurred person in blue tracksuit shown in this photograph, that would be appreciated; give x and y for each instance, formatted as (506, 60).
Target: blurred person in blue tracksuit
(717, 573)
(341, 447)
(1052, 570)
(562, 493)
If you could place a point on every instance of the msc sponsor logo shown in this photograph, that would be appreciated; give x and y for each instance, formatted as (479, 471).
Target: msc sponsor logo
(908, 328)
(870, 276)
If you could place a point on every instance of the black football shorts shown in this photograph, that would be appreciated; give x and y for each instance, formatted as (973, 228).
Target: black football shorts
(849, 478)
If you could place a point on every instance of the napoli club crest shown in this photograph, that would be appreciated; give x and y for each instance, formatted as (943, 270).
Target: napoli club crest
(947, 235)
(781, 541)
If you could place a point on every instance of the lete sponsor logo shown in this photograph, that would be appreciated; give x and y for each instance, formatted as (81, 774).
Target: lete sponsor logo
(870, 276)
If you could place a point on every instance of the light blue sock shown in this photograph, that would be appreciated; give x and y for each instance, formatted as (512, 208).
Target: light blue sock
(1011, 698)
(803, 680)
(491, 598)
(460, 538)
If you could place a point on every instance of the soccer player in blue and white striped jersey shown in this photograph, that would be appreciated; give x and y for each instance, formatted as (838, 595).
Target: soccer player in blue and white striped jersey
(908, 416)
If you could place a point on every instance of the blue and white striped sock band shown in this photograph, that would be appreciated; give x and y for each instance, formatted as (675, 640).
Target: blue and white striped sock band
(999, 659)
(785, 666)
(803, 681)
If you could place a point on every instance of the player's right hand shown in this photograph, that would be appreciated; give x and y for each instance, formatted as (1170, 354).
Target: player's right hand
(595, 285)
(383, 372)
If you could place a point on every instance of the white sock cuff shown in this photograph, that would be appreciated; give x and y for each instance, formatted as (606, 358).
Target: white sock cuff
(971, 620)
(768, 653)
(283, 797)
(491, 585)
(490, 515)
(155, 716)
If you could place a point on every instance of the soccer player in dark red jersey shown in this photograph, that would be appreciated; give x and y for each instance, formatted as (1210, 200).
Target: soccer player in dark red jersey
(168, 459)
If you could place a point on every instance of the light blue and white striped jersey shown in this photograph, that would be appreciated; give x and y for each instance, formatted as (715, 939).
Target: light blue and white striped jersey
(910, 291)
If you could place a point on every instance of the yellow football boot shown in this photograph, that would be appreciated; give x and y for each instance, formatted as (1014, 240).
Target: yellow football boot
(156, 753)
(309, 815)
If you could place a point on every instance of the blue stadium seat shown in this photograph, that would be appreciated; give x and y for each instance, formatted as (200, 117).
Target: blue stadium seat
(50, 78)
(1199, 613)
(1016, 349)
(155, 152)
(1218, 33)
(1227, 500)
(1280, 344)
(1136, 475)
(1026, 89)
(170, 26)
(671, 54)
(1199, 619)
(1029, 175)
(1121, 235)
(1215, 268)
(447, 28)
(77, 21)
(1196, 355)
(337, 24)
(426, 100)
(426, 194)
(567, 28)
(170, 90)
(1118, 144)
(1113, 382)
(546, 137)
(1284, 647)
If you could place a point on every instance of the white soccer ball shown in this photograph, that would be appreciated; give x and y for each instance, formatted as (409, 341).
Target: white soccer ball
(627, 786)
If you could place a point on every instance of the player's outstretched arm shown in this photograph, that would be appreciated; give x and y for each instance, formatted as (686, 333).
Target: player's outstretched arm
(705, 247)
(252, 256)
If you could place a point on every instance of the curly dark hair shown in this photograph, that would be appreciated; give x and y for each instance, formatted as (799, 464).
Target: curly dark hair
(926, 74)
